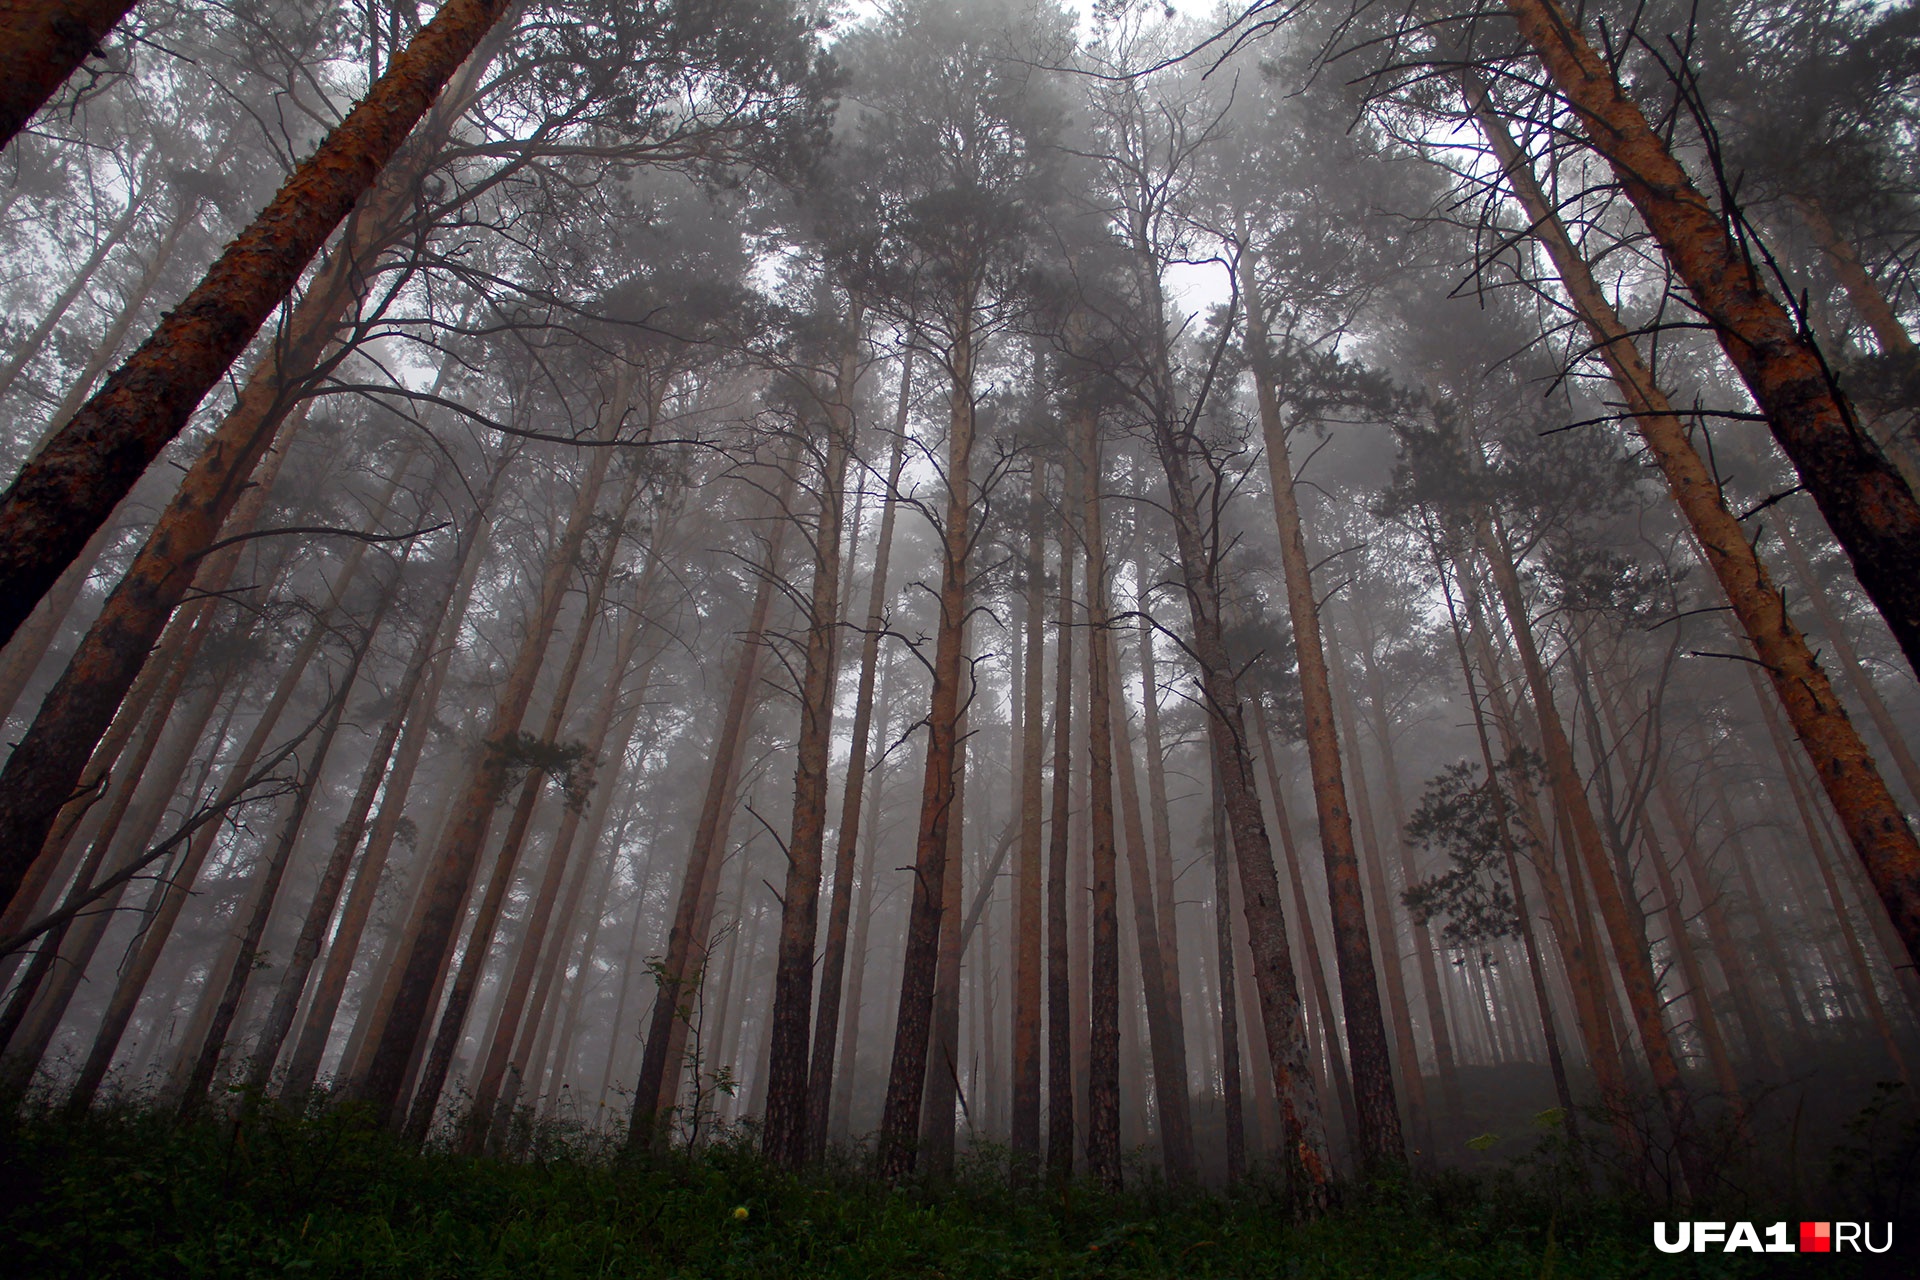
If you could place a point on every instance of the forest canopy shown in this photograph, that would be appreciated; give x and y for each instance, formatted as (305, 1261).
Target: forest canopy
(1292, 588)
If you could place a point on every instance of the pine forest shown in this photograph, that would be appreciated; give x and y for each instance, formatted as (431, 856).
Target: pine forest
(959, 637)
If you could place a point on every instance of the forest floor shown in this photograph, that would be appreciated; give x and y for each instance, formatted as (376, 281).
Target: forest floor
(132, 1193)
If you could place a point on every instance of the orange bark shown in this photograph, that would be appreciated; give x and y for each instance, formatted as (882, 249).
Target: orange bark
(1869, 506)
(41, 43)
(71, 485)
(1847, 772)
(906, 1079)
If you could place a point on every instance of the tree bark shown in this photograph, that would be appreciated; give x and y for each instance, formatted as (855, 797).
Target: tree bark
(1375, 1105)
(1059, 973)
(171, 896)
(906, 1078)
(71, 485)
(1166, 1040)
(1869, 506)
(1273, 972)
(1103, 1059)
(1873, 822)
(785, 1138)
(1235, 1118)
(333, 875)
(205, 1057)
(486, 919)
(42, 42)
(308, 1050)
(1323, 1006)
(1386, 934)
(1024, 1129)
(1635, 966)
(833, 961)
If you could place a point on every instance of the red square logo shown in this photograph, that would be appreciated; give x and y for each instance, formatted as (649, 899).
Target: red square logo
(1816, 1237)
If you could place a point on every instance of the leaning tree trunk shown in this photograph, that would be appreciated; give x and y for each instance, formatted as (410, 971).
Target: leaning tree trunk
(1873, 822)
(46, 767)
(347, 833)
(1235, 1117)
(1160, 999)
(1375, 1105)
(205, 1057)
(172, 894)
(785, 1137)
(1869, 506)
(906, 1076)
(1309, 933)
(1571, 800)
(1386, 935)
(601, 733)
(42, 42)
(1536, 969)
(72, 484)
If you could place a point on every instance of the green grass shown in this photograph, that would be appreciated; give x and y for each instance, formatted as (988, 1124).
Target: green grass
(132, 1194)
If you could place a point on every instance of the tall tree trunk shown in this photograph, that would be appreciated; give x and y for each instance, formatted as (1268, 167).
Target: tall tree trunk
(1873, 822)
(1323, 1008)
(42, 42)
(1166, 1038)
(833, 961)
(171, 896)
(1536, 967)
(1869, 506)
(1164, 913)
(1024, 1132)
(1059, 972)
(159, 680)
(1386, 934)
(225, 489)
(71, 485)
(1862, 290)
(785, 1139)
(1601, 711)
(600, 735)
(66, 951)
(840, 1119)
(1374, 1101)
(1103, 1004)
(943, 1049)
(1848, 660)
(451, 871)
(1235, 1119)
(1424, 950)
(906, 1078)
(1273, 972)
